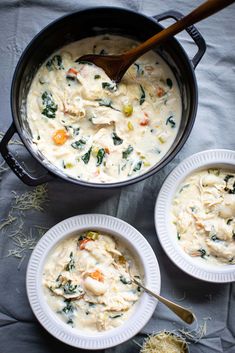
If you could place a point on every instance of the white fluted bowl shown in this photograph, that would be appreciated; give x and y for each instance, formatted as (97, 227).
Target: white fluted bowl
(217, 158)
(138, 246)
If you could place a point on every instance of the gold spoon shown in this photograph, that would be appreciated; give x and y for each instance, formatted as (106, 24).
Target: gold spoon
(115, 66)
(185, 314)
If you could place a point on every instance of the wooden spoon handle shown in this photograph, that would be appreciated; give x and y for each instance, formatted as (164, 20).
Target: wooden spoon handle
(203, 11)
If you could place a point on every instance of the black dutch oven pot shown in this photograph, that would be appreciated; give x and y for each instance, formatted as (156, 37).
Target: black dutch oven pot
(86, 23)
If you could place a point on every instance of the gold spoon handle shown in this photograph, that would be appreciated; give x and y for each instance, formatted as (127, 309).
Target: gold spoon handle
(203, 11)
(185, 314)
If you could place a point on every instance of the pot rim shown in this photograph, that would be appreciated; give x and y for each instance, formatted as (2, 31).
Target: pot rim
(162, 163)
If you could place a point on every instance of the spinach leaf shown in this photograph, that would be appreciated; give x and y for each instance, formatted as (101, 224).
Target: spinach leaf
(83, 62)
(127, 152)
(69, 288)
(214, 237)
(76, 131)
(71, 264)
(169, 83)
(125, 280)
(228, 176)
(229, 190)
(115, 316)
(69, 307)
(55, 63)
(171, 121)
(139, 69)
(100, 156)
(86, 156)
(142, 96)
(137, 166)
(49, 105)
(111, 87)
(202, 252)
(106, 103)
(116, 139)
(78, 145)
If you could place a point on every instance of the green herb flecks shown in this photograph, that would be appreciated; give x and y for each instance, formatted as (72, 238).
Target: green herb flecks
(214, 171)
(100, 156)
(69, 307)
(139, 70)
(137, 166)
(49, 106)
(169, 83)
(78, 145)
(171, 121)
(71, 264)
(124, 280)
(86, 156)
(69, 288)
(111, 87)
(229, 221)
(228, 176)
(230, 190)
(55, 63)
(127, 152)
(83, 62)
(116, 139)
(184, 187)
(106, 103)
(178, 236)
(116, 316)
(76, 131)
(212, 234)
(97, 77)
(202, 252)
(142, 95)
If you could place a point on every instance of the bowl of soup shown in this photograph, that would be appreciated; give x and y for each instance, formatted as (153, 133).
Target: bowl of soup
(79, 284)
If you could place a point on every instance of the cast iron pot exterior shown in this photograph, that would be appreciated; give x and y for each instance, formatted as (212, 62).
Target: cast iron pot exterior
(86, 23)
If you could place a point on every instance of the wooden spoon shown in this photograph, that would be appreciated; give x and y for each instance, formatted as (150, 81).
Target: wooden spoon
(115, 66)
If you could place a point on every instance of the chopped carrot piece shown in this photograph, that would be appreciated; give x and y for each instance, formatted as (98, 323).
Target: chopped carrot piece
(160, 92)
(107, 150)
(83, 243)
(60, 137)
(97, 275)
(72, 71)
(144, 121)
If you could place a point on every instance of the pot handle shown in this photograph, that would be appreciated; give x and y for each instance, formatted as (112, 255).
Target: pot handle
(14, 164)
(192, 31)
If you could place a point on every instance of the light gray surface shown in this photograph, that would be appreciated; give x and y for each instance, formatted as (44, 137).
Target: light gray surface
(214, 127)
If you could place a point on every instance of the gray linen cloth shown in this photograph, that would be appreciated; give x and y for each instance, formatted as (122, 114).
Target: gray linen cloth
(214, 128)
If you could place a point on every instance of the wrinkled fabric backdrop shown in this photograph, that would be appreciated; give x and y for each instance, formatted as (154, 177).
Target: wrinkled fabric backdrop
(20, 332)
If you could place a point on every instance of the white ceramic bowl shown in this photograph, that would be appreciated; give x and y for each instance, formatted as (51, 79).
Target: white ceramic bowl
(138, 246)
(167, 235)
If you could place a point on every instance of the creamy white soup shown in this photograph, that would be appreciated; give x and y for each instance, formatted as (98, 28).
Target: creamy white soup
(87, 284)
(203, 214)
(98, 131)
